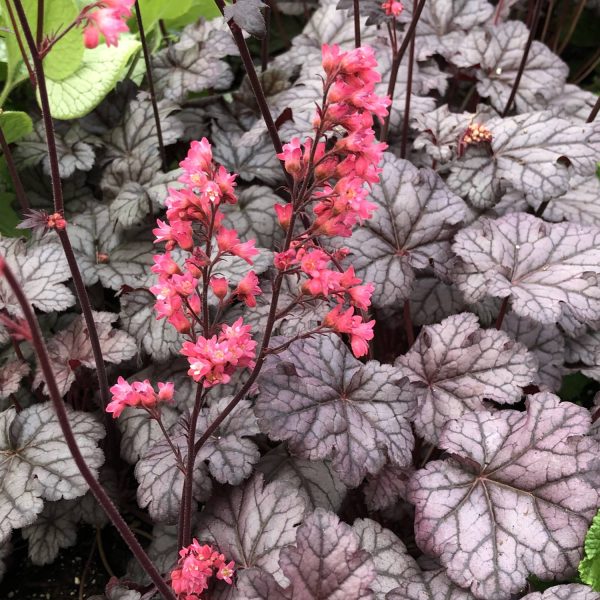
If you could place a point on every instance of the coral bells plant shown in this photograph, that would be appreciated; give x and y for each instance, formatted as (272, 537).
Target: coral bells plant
(303, 316)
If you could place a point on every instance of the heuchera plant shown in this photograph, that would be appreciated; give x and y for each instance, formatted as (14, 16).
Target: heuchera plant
(328, 328)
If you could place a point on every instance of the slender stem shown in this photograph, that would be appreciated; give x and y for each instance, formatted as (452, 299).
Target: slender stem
(188, 484)
(547, 20)
(40, 23)
(150, 79)
(498, 12)
(164, 32)
(502, 313)
(356, 23)
(594, 112)
(57, 195)
(264, 44)
(259, 93)
(88, 316)
(513, 92)
(15, 27)
(541, 208)
(408, 324)
(45, 105)
(410, 32)
(572, 26)
(587, 68)
(560, 22)
(409, 82)
(14, 174)
(63, 419)
(85, 571)
(102, 554)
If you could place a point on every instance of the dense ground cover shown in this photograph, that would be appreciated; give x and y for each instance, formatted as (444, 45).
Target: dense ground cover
(302, 301)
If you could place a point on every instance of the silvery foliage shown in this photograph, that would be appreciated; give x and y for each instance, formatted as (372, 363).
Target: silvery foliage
(433, 435)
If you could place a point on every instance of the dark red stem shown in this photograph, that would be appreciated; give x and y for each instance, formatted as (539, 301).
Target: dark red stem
(594, 112)
(410, 32)
(14, 174)
(356, 23)
(502, 313)
(409, 82)
(96, 488)
(57, 195)
(515, 87)
(150, 79)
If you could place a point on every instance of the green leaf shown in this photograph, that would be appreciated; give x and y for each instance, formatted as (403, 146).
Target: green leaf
(206, 9)
(154, 10)
(98, 73)
(9, 219)
(589, 567)
(15, 125)
(65, 57)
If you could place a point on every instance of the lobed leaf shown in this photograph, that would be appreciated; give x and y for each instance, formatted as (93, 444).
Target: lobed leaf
(455, 365)
(514, 499)
(543, 268)
(327, 404)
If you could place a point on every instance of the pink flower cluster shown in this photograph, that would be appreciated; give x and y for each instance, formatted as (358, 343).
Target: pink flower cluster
(194, 225)
(338, 186)
(197, 564)
(214, 360)
(392, 8)
(106, 18)
(138, 393)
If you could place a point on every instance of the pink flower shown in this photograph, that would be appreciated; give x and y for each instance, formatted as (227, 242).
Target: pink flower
(360, 295)
(292, 158)
(248, 289)
(219, 286)
(284, 214)
(228, 241)
(346, 322)
(139, 393)
(178, 233)
(197, 163)
(164, 265)
(392, 8)
(214, 360)
(196, 565)
(108, 21)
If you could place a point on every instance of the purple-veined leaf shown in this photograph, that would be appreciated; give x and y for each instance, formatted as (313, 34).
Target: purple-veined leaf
(429, 585)
(247, 15)
(411, 229)
(255, 161)
(230, 454)
(315, 479)
(71, 347)
(195, 62)
(251, 523)
(583, 349)
(161, 480)
(573, 591)
(328, 405)
(156, 337)
(391, 561)
(140, 432)
(454, 366)
(432, 300)
(535, 153)
(74, 147)
(106, 253)
(41, 269)
(387, 487)
(579, 204)
(515, 498)
(55, 528)
(440, 132)
(545, 342)
(573, 102)
(444, 23)
(11, 374)
(496, 54)
(544, 268)
(36, 464)
(326, 563)
(253, 217)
